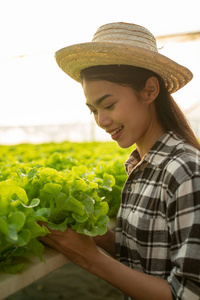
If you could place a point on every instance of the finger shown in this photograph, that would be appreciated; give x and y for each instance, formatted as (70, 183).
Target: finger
(49, 242)
(53, 244)
(52, 231)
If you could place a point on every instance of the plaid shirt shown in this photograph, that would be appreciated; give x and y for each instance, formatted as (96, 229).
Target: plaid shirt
(158, 224)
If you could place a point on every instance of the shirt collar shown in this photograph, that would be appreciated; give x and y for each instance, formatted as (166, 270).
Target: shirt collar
(157, 155)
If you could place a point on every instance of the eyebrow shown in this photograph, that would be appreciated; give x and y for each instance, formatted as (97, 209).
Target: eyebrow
(100, 100)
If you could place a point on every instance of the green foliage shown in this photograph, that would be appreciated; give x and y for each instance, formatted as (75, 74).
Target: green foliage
(18, 227)
(75, 185)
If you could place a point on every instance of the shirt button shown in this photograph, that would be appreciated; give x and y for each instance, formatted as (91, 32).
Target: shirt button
(132, 187)
(129, 188)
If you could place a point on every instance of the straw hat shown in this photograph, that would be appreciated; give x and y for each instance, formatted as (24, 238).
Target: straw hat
(122, 44)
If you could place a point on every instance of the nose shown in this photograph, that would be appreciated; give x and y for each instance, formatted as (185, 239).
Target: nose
(103, 120)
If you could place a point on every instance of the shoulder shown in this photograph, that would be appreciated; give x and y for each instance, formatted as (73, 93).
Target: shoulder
(181, 170)
(173, 155)
(177, 161)
(183, 160)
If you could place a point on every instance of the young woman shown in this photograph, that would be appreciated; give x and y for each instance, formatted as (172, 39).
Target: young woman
(155, 249)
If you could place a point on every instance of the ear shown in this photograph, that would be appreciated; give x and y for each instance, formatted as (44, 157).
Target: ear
(151, 89)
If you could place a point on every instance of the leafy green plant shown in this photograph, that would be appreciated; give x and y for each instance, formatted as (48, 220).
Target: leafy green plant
(64, 185)
(61, 199)
(71, 198)
(18, 227)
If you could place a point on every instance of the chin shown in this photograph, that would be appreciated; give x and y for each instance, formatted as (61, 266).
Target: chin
(125, 145)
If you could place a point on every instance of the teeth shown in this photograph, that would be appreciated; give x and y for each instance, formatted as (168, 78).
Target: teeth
(117, 130)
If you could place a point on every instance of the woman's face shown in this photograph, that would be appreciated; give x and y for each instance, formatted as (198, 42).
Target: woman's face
(120, 111)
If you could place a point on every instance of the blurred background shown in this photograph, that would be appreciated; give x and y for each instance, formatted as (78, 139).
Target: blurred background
(39, 102)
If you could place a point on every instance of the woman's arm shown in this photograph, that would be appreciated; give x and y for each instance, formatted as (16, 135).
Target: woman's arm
(137, 285)
(83, 251)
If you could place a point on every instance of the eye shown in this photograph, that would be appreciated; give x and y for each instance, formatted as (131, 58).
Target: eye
(94, 112)
(108, 107)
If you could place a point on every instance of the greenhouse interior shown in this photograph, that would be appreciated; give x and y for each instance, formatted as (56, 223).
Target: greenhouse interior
(51, 148)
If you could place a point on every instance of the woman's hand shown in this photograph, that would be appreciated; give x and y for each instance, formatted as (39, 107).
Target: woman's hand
(106, 242)
(78, 248)
(82, 250)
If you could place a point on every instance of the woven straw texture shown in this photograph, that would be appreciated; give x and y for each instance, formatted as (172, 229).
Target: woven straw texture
(122, 44)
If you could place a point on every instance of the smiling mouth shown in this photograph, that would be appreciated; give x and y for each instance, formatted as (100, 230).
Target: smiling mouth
(116, 131)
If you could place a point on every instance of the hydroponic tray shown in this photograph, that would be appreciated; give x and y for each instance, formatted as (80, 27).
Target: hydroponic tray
(34, 269)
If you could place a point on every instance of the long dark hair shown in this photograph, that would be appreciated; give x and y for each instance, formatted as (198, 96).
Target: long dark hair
(168, 112)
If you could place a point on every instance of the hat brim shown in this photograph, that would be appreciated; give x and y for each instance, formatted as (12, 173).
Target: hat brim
(75, 58)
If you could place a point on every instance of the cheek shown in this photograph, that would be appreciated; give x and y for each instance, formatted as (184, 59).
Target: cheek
(96, 119)
(139, 116)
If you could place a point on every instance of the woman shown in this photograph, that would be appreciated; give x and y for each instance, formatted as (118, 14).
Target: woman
(155, 249)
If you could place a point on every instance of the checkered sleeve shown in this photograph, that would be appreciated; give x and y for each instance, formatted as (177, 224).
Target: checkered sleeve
(184, 224)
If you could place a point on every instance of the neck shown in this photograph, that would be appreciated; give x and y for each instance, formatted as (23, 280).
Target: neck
(148, 140)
